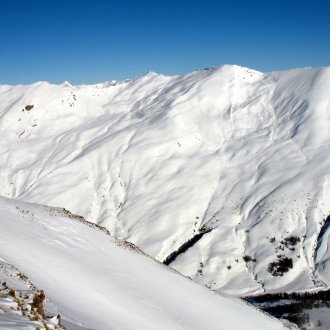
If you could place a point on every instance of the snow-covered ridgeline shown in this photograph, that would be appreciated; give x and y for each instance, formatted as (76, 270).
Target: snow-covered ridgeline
(239, 154)
(96, 282)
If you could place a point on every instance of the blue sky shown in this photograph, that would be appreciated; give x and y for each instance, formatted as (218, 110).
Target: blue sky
(93, 41)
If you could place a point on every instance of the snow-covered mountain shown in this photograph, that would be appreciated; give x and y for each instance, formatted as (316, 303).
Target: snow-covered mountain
(96, 282)
(223, 173)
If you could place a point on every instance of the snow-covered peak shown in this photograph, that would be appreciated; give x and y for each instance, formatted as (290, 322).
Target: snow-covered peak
(67, 84)
(232, 156)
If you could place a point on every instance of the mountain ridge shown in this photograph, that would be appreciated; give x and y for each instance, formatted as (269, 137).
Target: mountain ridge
(156, 158)
(94, 281)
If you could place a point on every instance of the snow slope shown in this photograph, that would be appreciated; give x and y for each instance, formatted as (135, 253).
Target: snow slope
(235, 156)
(100, 283)
(21, 304)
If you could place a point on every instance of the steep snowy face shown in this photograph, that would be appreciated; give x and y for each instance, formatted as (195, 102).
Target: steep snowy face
(221, 173)
(96, 282)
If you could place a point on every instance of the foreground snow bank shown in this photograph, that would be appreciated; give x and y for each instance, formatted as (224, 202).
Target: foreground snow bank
(22, 304)
(100, 283)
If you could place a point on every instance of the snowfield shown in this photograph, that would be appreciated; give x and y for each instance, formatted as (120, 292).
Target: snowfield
(96, 282)
(224, 173)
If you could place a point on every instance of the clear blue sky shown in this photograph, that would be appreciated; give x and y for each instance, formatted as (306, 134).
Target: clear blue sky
(97, 40)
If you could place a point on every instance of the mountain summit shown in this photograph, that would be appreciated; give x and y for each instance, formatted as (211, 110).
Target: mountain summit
(222, 173)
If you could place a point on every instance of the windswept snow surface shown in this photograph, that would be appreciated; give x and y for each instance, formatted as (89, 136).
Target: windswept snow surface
(100, 283)
(159, 159)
